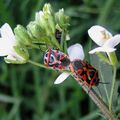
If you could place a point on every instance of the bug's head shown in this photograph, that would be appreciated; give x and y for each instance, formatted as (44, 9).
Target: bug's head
(56, 59)
(49, 58)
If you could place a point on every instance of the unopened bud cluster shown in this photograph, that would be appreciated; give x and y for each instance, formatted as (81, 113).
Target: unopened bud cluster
(40, 33)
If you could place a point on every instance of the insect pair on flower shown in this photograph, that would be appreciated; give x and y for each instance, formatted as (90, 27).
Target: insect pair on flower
(80, 69)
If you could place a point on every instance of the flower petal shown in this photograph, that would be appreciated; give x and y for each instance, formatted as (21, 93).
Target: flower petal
(3, 52)
(113, 41)
(102, 49)
(99, 34)
(67, 37)
(10, 57)
(7, 34)
(4, 48)
(61, 78)
(76, 52)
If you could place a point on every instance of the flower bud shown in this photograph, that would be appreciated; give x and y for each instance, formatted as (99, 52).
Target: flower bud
(35, 31)
(22, 36)
(49, 15)
(40, 20)
(62, 19)
(47, 9)
(45, 19)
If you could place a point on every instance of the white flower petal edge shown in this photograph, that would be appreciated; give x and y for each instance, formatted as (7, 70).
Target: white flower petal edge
(3, 47)
(61, 78)
(7, 34)
(113, 41)
(102, 49)
(76, 52)
(99, 34)
(7, 40)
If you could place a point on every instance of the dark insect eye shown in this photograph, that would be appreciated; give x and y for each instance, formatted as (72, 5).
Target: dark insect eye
(51, 59)
(65, 61)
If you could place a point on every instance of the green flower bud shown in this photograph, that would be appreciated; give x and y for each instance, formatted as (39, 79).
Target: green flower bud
(47, 9)
(45, 19)
(49, 15)
(40, 20)
(62, 19)
(35, 31)
(22, 35)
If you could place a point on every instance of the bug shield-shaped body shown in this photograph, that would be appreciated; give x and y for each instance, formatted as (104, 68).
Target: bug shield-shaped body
(84, 72)
(56, 59)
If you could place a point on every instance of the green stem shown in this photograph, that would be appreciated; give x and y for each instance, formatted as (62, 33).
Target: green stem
(63, 42)
(112, 88)
(103, 57)
(37, 64)
(35, 46)
(99, 102)
(113, 58)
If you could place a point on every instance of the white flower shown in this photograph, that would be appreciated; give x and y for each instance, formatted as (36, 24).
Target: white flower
(74, 52)
(7, 44)
(104, 39)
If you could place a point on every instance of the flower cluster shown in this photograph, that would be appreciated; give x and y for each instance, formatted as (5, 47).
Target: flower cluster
(40, 34)
(49, 29)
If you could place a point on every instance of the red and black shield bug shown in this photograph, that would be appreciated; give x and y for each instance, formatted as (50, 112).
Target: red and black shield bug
(84, 72)
(81, 70)
(56, 59)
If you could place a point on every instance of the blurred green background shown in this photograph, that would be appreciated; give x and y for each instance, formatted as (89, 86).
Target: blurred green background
(26, 91)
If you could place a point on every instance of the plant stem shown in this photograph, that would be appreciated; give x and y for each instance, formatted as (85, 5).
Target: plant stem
(103, 57)
(112, 88)
(113, 58)
(37, 64)
(35, 46)
(99, 102)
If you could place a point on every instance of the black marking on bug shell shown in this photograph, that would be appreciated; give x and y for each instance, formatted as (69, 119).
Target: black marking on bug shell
(65, 62)
(77, 65)
(95, 80)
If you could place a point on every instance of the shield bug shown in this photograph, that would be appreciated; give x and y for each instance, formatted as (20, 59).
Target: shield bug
(84, 72)
(56, 59)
